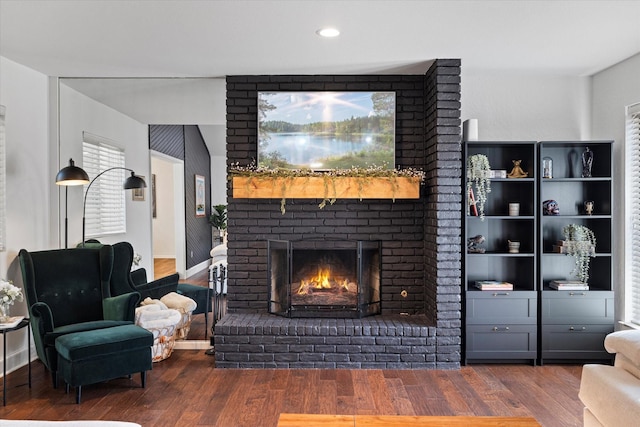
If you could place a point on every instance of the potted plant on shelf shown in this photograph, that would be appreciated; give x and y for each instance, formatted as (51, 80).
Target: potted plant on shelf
(581, 244)
(218, 220)
(478, 182)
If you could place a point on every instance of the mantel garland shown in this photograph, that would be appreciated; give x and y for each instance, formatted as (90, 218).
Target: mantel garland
(361, 175)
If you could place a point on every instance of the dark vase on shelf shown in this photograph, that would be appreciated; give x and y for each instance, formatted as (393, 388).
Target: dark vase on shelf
(587, 162)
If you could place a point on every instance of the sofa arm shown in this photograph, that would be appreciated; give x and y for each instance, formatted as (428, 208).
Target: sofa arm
(121, 307)
(159, 288)
(625, 342)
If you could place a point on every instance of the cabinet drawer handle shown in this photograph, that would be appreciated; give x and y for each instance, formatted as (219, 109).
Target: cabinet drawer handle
(584, 328)
(501, 294)
(580, 294)
(496, 329)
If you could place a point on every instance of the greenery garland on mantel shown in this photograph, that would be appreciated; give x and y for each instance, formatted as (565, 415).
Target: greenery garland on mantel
(285, 177)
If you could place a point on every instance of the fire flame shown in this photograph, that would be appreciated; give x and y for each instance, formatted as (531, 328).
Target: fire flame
(322, 280)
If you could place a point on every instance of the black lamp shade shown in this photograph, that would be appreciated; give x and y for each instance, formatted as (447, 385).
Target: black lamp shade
(72, 175)
(134, 181)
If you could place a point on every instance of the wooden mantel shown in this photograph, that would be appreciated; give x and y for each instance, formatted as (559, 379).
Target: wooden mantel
(342, 187)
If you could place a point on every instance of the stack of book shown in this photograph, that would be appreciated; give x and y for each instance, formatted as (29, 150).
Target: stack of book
(493, 285)
(568, 285)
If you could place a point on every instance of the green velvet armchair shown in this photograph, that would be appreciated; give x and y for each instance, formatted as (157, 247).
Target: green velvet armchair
(124, 280)
(68, 290)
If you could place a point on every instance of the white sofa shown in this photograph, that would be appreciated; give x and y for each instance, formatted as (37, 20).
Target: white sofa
(611, 394)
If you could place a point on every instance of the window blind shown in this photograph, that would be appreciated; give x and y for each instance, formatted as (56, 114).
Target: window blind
(633, 180)
(105, 206)
(3, 182)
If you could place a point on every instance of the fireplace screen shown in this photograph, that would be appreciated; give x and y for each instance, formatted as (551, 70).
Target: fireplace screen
(324, 279)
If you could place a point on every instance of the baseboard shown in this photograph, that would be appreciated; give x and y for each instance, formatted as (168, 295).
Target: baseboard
(198, 268)
(192, 345)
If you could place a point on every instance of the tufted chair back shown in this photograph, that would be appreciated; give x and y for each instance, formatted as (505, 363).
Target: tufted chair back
(72, 282)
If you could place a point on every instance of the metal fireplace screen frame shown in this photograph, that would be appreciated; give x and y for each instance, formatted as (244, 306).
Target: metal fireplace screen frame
(365, 260)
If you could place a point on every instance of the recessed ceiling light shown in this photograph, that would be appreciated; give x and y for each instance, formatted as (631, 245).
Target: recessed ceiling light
(328, 32)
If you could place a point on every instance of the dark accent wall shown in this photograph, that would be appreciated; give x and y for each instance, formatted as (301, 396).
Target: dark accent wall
(197, 161)
(167, 139)
(186, 143)
(420, 238)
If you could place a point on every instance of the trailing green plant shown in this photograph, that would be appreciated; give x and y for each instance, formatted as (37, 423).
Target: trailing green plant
(581, 244)
(329, 177)
(478, 172)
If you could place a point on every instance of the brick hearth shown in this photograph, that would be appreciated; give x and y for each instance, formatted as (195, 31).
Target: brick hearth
(378, 342)
(420, 238)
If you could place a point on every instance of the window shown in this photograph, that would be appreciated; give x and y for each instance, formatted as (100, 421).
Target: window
(105, 205)
(633, 214)
(3, 183)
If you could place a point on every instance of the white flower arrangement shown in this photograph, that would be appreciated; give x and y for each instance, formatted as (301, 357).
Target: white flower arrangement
(137, 258)
(9, 293)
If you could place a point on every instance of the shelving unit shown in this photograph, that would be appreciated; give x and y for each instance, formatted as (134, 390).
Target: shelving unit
(573, 324)
(502, 325)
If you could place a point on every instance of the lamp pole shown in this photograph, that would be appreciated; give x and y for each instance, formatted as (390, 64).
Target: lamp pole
(131, 182)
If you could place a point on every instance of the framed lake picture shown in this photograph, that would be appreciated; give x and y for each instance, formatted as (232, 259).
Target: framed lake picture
(326, 130)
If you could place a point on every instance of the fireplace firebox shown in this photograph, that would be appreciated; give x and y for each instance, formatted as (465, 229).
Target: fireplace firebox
(337, 279)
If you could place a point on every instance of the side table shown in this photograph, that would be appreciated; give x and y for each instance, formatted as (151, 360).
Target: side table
(4, 331)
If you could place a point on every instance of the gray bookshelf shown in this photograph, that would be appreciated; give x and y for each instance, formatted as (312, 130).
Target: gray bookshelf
(573, 324)
(503, 325)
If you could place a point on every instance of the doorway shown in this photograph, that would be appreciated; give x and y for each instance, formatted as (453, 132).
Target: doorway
(168, 220)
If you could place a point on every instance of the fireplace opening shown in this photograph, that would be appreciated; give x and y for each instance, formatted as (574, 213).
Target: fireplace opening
(324, 279)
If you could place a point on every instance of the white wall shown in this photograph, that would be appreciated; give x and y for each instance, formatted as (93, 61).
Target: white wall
(526, 107)
(80, 113)
(613, 90)
(30, 180)
(164, 241)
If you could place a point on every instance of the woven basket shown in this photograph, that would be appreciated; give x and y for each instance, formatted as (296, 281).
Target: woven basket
(182, 329)
(163, 342)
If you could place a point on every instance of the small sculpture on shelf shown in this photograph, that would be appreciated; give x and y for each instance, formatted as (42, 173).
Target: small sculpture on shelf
(588, 207)
(550, 207)
(517, 171)
(473, 244)
(587, 162)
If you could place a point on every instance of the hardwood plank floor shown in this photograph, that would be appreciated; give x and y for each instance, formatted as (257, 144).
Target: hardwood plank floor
(187, 390)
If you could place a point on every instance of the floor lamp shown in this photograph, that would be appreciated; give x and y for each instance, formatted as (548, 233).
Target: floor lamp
(130, 183)
(69, 176)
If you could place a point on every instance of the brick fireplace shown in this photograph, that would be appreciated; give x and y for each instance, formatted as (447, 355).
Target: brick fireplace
(419, 325)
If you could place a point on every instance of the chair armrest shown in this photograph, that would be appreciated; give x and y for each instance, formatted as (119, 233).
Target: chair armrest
(43, 318)
(139, 276)
(121, 307)
(159, 288)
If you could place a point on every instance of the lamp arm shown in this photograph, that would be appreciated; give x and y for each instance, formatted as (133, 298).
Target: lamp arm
(84, 203)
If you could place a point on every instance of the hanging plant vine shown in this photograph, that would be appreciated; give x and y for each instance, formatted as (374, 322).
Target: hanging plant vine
(581, 244)
(478, 181)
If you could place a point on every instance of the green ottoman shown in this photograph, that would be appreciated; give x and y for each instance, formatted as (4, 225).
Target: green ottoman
(201, 296)
(94, 356)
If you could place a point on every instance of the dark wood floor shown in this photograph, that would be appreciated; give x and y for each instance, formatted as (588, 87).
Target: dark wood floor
(187, 390)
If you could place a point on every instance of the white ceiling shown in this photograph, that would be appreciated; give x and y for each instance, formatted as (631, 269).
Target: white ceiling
(145, 38)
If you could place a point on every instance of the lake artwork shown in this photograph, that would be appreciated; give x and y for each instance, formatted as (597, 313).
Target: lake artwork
(326, 130)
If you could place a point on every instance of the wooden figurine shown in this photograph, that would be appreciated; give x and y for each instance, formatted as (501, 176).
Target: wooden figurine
(517, 171)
